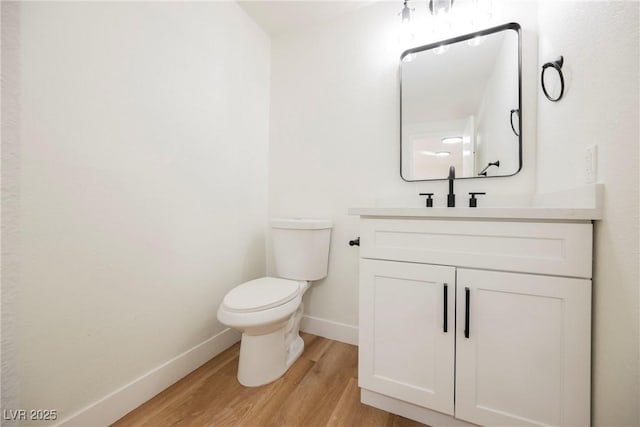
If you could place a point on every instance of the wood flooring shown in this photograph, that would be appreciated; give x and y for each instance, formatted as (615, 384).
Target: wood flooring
(320, 389)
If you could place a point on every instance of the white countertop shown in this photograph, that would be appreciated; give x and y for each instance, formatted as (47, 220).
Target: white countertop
(560, 214)
(576, 204)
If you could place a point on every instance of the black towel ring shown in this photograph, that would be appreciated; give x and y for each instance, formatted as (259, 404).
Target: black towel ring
(556, 65)
(511, 120)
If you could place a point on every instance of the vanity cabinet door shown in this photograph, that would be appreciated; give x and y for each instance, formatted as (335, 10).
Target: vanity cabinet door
(523, 356)
(406, 347)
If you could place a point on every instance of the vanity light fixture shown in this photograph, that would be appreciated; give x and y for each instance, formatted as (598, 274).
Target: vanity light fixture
(406, 13)
(473, 14)
(452, 140)
(406, 34)
(443, 154)
(438, 7)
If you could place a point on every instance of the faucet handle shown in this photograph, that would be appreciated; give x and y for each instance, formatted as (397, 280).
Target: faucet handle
(429, 203)
(473, 202)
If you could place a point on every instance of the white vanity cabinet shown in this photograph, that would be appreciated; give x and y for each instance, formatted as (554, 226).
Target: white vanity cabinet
(524, 358)
(482, 321)
(407, 333)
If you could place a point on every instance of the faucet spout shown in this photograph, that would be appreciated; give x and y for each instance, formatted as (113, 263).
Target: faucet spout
(451, 197)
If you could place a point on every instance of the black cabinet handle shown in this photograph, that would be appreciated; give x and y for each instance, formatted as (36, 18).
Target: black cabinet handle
(446, 307)
(467, 302)
(354, 242)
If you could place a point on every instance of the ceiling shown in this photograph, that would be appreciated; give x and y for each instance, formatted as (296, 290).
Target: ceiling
(279, 17)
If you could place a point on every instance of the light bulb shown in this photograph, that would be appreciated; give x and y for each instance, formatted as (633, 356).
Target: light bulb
(406, 13)
(439, 7)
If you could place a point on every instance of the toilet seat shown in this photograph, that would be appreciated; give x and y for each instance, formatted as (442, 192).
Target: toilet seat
(261, 294)
(261, 303)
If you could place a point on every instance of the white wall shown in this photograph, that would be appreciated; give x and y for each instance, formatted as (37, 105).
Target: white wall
(9, 269)
(143, 195)
(599, 42)
(334, 137)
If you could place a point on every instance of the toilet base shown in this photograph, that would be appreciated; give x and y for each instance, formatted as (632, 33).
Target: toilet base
(262, 358)
(266, 357)
(296, 349)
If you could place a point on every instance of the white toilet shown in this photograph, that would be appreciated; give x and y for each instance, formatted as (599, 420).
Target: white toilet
(268, 310)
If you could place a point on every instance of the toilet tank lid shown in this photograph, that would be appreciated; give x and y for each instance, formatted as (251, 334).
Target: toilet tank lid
(301, 223)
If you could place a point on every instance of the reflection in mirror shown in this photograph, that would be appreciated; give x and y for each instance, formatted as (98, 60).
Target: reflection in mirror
(460, 106)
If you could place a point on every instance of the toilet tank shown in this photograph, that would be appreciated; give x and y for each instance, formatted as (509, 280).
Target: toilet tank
(301, 248)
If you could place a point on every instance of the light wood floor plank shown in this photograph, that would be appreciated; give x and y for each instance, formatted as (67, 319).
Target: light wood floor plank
(179, 391)
(270, 403)
(314, 346)
(320, 389)
(349, 412)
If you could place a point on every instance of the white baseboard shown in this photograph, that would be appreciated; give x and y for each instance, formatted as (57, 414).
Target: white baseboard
(118, 403)
(123, 400)
(329, 329)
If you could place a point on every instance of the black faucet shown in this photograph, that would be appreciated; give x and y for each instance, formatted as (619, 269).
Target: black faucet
(451, 198)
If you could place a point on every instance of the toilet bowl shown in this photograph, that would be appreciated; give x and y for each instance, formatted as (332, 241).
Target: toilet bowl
(268, 310)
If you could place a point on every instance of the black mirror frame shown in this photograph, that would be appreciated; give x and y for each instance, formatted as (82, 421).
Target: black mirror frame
(510, 26)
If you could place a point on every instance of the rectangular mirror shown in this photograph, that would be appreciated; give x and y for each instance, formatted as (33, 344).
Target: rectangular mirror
(460, 106)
